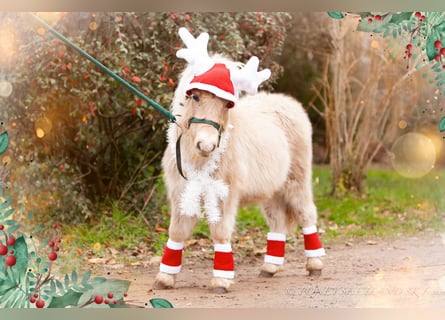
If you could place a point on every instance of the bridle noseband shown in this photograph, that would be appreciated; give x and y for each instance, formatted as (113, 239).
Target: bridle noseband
(214, 124)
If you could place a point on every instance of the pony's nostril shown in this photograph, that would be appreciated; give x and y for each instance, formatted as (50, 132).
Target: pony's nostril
(205, 147)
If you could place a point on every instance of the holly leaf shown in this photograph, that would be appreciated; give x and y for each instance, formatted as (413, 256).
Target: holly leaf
(398, 18)
(4, 141)
(160, 303)
(18, 272)
(336, 14)
(70, 298)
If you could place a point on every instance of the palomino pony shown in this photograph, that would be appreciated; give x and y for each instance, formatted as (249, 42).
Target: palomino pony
(220, 158)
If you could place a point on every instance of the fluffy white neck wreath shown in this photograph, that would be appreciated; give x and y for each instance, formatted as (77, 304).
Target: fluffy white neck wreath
(202, 190)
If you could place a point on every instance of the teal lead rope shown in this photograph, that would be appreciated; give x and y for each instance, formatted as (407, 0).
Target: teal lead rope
(162, 110)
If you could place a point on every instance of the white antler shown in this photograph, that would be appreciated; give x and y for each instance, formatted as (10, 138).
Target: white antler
(196, 52)
(248, 78)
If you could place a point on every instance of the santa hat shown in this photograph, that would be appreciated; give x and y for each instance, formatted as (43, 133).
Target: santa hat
(218, 78)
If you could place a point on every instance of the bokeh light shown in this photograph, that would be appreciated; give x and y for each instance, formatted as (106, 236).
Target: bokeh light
(5, 88)
(93, 25)
(413, 155)
(7, 43)
(403, 124)
(42, 126)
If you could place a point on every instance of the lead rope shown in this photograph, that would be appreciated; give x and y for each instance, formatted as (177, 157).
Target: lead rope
(178, 157)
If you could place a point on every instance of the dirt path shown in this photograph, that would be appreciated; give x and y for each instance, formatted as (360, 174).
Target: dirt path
(399, 273)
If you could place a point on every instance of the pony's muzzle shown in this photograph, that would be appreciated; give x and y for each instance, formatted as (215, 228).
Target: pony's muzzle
(205, 148)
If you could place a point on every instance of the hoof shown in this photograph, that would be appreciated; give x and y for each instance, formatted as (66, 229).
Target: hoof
(265, 274)
(314, 273)
(219, 290)
(314, 266)
(164, 281)
(220, 285)
(268, 270)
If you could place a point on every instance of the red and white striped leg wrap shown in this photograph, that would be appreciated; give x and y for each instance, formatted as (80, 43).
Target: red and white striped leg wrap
(276, 243)
(223, 265)
(172, 258)
(312, 244)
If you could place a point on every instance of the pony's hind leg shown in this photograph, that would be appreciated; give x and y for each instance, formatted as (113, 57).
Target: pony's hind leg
(274, 211)
(179, 230)
(301, 208)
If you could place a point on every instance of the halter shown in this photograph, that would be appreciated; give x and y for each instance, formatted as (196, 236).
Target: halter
(214, 124)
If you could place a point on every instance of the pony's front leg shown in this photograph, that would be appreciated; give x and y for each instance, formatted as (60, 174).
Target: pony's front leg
(179, 230)
(223, 262)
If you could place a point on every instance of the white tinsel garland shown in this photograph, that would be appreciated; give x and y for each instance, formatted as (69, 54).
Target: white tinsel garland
(202, 189)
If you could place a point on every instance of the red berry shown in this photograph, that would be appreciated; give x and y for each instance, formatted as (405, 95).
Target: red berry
(417, 14)
(378, 17)
(369, 20)
(10, 261)
(409, 47)
(51, 243)
(52, 256)
(114, 302)
(437, 57)
(107, 301)
(56, 248)
(3, 250)
(437, 44)
(2, 227)
(11, 241)
(36, 295)
(40, 303)
(125, 294)
(98, 299)
(110, 295)
(442, 51)
(32, 300)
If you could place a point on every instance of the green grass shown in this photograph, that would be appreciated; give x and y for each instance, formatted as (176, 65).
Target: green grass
(393, 205)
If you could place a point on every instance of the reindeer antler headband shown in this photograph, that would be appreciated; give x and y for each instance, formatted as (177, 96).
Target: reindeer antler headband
(217, 77)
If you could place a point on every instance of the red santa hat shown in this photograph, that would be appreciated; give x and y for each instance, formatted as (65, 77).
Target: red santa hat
(217, 78)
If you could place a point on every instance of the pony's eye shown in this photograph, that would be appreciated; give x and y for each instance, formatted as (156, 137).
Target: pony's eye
(195, 97)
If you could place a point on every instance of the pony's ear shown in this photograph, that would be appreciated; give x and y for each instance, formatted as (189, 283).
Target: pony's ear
(248, 78)
(196, 52)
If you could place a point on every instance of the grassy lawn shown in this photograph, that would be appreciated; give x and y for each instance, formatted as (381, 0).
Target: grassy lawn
(393, 205)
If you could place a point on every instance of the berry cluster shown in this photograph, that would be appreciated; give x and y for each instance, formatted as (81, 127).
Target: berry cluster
(420, 20)
(54, 244)
(440, 52)
(107, 300)
(6, 250)
(39, 302)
